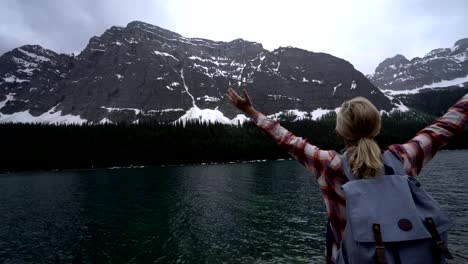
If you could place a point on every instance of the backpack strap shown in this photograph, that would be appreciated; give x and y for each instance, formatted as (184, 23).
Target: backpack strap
(391, 161)
(347, 170)
(380, 257)
(392, 165)
(438, 242)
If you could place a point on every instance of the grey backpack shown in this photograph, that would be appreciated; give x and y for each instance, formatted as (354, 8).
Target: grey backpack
(391, 219)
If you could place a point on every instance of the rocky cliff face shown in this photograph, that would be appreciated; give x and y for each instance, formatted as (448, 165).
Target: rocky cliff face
(30, 77)
(143, 72)
(399, 73)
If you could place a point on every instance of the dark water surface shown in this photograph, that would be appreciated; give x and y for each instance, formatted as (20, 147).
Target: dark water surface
(267, 212)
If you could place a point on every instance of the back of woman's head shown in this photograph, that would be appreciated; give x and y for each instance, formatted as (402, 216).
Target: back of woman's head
(358, 122)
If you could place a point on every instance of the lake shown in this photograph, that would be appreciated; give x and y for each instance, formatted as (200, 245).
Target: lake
(266, 212)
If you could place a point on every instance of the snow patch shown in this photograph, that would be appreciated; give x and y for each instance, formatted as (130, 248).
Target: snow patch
(11, 79)
(24, 63)
(34, 56)
(303, 115)
(279, 96)
(131, 41)
(334, 88)
(213, 60)
(205, 69)
(187, 89)
(317, 81)
(209, 116)
(49, 117)
(115, 109)
(204, 116)
(220, 73)
(9, 97)
(28, 71)
(277, 68)
(300, 115)
(400, 107)
(461, 57)
(165, 54)
(120, 77)
(239, 119)
(105, 121)
(319, 112)
(207, 98)
(443, 83)
(353, 85)
(166, 110)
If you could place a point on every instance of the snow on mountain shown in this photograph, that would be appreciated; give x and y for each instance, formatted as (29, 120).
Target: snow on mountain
(9, 97)
(142, 72)
(439, 65)
(444, 83)
(400, 107)
(209, 116)
(49, 117)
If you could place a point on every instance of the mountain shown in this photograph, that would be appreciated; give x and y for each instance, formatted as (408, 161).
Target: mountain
(439, 68)
(143, 72)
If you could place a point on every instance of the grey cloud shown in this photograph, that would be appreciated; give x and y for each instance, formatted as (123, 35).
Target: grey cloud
(67, 25)
(364, 32)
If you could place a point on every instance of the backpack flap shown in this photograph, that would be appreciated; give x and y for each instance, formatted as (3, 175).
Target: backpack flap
(428, 207)
(389, 202)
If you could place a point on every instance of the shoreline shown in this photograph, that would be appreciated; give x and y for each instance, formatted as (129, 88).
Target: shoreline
(164, 165)
(143, 166)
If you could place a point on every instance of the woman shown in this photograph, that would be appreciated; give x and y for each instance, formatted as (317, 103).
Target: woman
(357, 123)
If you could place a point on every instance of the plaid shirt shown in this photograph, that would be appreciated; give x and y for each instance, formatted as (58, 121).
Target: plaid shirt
(326, 165)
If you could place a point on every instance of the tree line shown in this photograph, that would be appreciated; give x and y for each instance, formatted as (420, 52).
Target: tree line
(46, 147)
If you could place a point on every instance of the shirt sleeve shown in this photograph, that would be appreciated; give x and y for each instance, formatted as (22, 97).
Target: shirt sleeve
(418, 151)
(307, 154)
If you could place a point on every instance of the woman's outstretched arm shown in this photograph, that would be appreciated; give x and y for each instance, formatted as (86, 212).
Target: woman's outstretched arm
(325, 165)
(418, 151)
(307, 154)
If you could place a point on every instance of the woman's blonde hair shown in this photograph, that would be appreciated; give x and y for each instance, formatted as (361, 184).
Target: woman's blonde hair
(358, 122)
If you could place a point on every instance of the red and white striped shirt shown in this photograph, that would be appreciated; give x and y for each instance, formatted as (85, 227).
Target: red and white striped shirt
(326, 165)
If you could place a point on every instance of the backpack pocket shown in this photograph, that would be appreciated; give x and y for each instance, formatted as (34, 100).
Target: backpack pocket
(386, 201)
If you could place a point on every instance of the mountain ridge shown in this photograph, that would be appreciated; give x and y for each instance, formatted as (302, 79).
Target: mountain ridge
(143, 72)
(440, 64)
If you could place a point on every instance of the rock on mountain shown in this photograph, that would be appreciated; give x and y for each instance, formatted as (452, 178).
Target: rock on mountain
(30, 76)
(435, 69)
(144, 72)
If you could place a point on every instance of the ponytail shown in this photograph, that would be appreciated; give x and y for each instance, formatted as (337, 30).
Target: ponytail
(365, 159)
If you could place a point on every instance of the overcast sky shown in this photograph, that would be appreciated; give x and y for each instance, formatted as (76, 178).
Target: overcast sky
(364, 32)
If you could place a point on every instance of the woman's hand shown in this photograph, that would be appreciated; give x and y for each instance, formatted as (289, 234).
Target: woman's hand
(245, 105)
